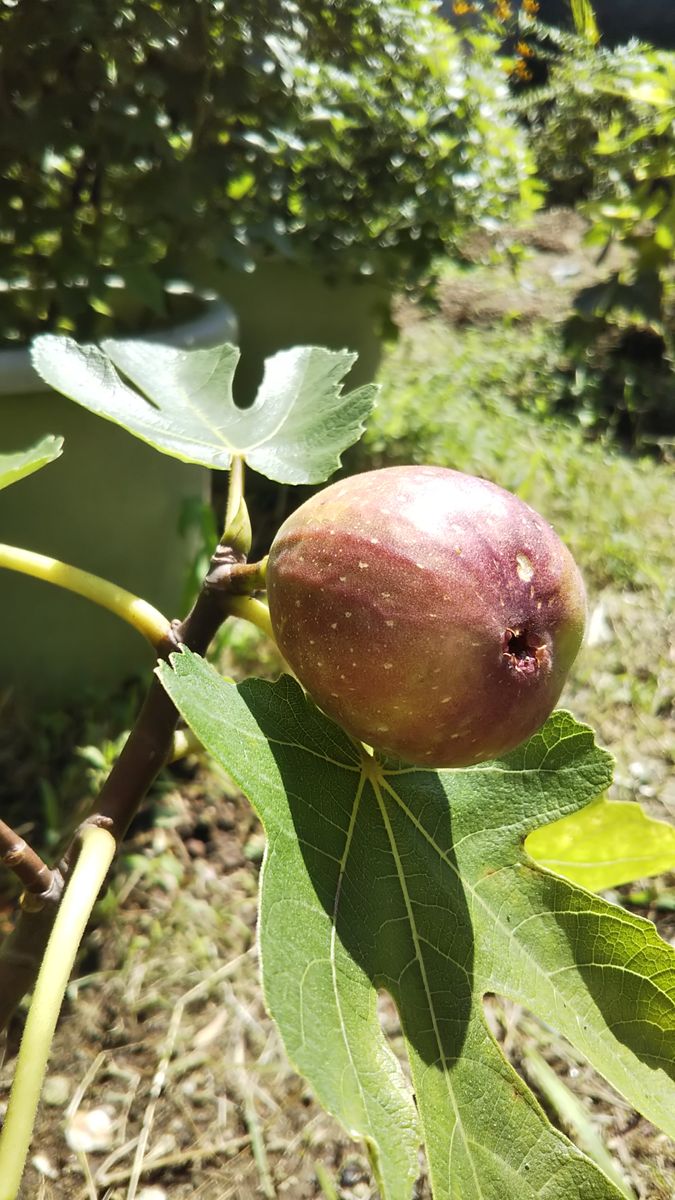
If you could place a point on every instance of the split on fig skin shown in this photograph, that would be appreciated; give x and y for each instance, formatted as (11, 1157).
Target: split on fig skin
(432, 614)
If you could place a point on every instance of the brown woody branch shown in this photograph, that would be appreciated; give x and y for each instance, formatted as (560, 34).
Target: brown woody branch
(16, 854)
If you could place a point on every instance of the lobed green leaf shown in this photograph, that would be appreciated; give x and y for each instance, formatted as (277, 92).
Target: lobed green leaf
(382, 877)
(294, 432)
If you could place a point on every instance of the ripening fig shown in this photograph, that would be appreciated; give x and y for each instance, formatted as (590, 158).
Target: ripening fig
(432, 614)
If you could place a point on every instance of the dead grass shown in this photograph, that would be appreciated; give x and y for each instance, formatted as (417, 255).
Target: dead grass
(166, 1069)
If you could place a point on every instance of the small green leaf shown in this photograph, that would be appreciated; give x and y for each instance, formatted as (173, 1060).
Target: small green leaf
(381, 877)
(585, 23)
(608, 843)
(295, 432)
(24, 462)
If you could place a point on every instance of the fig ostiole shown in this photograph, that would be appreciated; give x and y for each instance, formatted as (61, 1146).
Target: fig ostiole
(432, 614)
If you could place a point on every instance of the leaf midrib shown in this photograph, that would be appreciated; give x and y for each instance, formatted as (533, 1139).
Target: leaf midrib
(459, 1126)
(333, 937)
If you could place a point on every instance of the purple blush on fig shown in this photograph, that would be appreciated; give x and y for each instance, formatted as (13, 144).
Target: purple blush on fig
(432, 614)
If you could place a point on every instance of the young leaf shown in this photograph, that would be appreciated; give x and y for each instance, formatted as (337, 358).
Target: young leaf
(380, 876)
(608, 843)
(24, 462)
(294, 432)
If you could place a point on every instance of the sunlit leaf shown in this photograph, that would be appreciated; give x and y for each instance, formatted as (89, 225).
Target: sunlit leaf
(295, 432)
(24, 462)
(382, 877)
(584, 21)
(606, 844)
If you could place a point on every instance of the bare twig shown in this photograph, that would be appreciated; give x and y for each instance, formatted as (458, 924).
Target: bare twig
(180, 1158)
(15, 853)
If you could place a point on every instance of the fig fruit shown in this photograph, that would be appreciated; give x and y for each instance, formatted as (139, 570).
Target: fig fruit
(432, 614)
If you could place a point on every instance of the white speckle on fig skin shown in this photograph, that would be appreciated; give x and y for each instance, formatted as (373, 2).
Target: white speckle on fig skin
(524, 567)
(500, 621)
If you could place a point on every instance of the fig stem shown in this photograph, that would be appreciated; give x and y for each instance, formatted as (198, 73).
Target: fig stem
(255, 611)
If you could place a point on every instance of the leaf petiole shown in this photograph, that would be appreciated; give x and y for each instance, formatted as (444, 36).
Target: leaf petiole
(252, 610)
(89, 872)
(133, 609)
(237, 531)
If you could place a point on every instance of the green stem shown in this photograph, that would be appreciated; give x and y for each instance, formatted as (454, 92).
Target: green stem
(89, 872)
(237, 529)
(146, 619)
(235, 491)
(251, 610)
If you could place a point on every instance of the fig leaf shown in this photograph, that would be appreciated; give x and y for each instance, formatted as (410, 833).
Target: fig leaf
(294, 432)
(608, 843)
(384, 878)
(24, 462)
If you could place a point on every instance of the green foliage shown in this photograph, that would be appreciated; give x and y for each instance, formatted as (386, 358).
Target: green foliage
(602, 130)
(152, 142)
(379, 877)
(348, 908)
(294, 432)
(606, 844)
(591, 94)
(584, 20)
(475, 401)
(16, 466)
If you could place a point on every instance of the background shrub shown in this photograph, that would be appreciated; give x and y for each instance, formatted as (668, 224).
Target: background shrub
(153, 141)
(602, 130)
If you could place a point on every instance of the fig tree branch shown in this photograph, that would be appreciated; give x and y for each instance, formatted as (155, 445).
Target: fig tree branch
(147, 748)
(15, 853)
